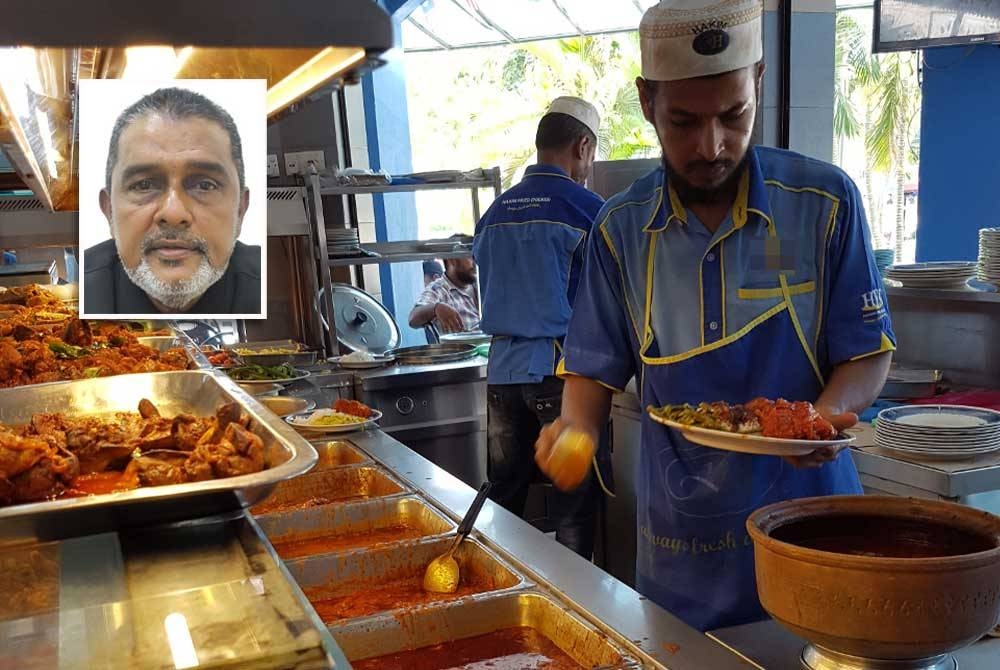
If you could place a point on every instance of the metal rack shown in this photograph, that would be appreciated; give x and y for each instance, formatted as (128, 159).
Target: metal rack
(377, 253)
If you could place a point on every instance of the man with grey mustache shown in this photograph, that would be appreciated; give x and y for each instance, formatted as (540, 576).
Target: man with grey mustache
(175, 196)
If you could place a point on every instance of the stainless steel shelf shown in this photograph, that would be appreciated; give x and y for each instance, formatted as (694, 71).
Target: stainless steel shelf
(943, 294)
(485, 182)
(396, 258)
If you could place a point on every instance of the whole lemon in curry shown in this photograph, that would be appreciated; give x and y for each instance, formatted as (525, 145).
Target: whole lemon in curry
(570, 459)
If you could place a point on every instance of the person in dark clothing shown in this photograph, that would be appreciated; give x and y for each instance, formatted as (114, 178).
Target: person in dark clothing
(175, 196)
(529, 246)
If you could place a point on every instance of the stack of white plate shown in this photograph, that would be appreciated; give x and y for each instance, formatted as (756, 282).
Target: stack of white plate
(947, 432)
(946, 274)
(342, 241)
(989, 256)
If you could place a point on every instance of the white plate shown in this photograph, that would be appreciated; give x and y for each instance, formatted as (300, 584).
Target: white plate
(379, 362)
(299, 374)
(906, 446)
(935, 456)
(750, 444)
(332, 430)
(947, 417)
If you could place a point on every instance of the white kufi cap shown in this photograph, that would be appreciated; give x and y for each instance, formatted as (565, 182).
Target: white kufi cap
(682, 39)
(579, 109)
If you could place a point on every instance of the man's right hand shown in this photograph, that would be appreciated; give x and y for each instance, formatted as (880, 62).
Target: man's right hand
(545, 442)
(567, 469)
(448, 318)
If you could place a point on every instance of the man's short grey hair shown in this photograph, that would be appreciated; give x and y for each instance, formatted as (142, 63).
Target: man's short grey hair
(176, 103)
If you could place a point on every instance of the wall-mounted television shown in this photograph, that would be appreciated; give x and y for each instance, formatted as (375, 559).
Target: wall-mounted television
(905, 25)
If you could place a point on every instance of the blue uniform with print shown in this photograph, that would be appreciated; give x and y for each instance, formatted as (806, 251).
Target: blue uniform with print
(530, 247)
(784, 291)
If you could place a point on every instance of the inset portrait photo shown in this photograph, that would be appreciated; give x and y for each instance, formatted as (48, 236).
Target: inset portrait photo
(173, 198)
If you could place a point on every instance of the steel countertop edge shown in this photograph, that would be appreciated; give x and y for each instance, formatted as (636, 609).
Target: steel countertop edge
(660, 635)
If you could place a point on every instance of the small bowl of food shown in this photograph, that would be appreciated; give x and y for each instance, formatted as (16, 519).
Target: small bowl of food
(284, 405)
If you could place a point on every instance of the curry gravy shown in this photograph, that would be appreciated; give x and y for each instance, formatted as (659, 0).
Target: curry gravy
(889, 537)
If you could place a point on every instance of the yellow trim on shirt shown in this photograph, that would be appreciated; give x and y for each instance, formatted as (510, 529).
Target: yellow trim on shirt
(885, 346)
(722, 276)
(776, 292)
(741, 204)
(614, 254)
(830, 225)
(801, 189)
(621, 275)
(563, 373)
(656, 209)
(647, 330)
(810, 354)
(676, 206)
(677, 358)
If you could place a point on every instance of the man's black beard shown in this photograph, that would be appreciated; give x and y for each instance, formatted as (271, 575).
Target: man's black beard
(690, 194)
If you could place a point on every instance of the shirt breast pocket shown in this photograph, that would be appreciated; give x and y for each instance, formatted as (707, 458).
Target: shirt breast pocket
(769, 293)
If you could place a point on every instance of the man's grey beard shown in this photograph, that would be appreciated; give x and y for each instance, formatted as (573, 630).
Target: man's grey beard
(176, 295)
(181, 294)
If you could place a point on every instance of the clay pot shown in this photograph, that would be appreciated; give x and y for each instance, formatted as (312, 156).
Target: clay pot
(879, 577)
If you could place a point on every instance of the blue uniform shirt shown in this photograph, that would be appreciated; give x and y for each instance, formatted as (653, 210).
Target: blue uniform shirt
(797, 220)
(784, 291)
(530, 246)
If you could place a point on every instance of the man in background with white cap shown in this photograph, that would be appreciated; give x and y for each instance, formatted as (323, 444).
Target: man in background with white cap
(530, 247)
(729, 273)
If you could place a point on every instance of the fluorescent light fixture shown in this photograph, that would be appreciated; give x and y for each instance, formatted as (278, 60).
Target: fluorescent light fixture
(311, 75)
(47, 46)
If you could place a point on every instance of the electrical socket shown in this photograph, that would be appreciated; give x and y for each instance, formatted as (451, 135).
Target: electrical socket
(272, 165)
(298, 162)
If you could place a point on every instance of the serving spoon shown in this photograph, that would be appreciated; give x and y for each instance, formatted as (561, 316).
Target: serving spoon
(442, 574)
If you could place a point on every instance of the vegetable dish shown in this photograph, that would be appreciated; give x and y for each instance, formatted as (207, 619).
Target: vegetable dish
(254, 372)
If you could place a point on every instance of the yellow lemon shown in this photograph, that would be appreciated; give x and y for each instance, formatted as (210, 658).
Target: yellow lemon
(570, 460)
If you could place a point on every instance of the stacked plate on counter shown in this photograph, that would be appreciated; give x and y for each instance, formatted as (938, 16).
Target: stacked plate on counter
(939, 432)
(884, 258)
(342, 241)
(988, 269)
(945, 274)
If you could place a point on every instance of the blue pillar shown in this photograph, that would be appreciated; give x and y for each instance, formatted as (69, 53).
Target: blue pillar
(388, 137)
(959, 143)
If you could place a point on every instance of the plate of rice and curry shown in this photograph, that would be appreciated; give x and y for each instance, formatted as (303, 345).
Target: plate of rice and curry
(761, 426)
(346, 416)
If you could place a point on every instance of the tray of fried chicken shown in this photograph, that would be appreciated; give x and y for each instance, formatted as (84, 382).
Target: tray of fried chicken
(153, 439)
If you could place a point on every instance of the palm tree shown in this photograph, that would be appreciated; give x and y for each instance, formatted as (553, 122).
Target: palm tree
(889, 143)
(856, 72)
(886, 88)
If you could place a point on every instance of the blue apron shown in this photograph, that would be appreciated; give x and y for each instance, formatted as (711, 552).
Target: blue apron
(694, 556)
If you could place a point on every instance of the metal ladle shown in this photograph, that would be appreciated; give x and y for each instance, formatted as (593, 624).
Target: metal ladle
(442, 574)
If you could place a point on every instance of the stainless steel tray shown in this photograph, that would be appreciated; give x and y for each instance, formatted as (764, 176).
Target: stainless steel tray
(903, 384)
(303, 356)
(363, 571)
(337, 454)
(164, 342)
(328, 487)
(353, 526)
(428, 354)
(197, 392)
(424, 627)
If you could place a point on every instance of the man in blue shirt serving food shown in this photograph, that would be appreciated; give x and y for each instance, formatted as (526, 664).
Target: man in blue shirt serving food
(730, 273)
(530, 248)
